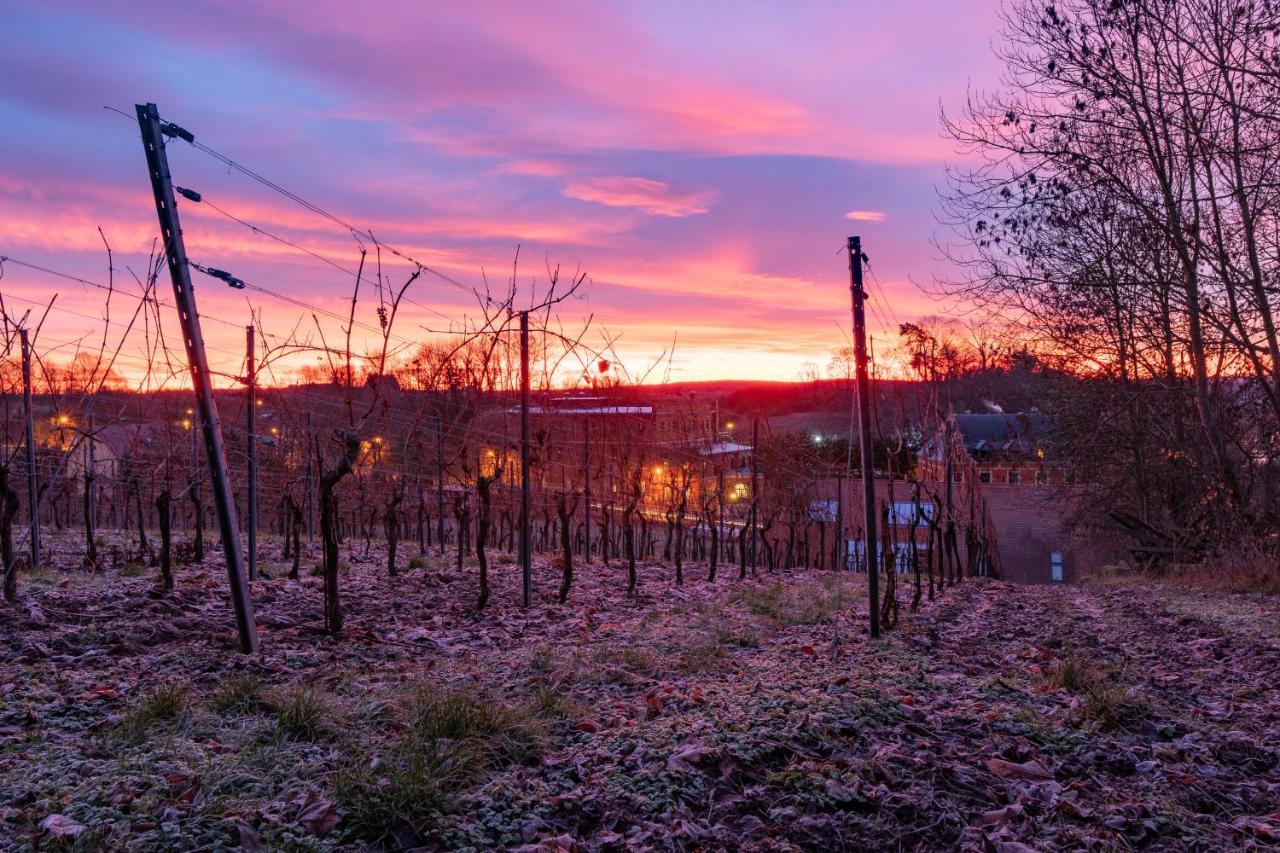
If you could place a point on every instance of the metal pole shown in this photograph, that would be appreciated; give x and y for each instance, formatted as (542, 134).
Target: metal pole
(310, 489)
(251, 416)
(586, 467)
(33, 489)
(864, 426)
(755, 490)
(949, 571)
(842, 550)
(526, 558)
(195, 481)
(193, 339)
(440, 484)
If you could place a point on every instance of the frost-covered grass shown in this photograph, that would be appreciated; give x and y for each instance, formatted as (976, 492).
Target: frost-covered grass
(714, 714)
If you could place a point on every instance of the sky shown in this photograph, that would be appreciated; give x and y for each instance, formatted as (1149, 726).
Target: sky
(703, 162)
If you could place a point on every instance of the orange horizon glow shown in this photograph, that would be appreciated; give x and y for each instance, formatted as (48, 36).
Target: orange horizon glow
(703, 190)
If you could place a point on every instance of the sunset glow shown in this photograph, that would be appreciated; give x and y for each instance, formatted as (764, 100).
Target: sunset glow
(700, 175)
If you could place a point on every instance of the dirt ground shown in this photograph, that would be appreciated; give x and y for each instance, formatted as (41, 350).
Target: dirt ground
(707, 716)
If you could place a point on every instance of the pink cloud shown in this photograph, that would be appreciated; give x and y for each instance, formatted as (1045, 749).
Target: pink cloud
(537, 168)
(654, 197)
(865, 215)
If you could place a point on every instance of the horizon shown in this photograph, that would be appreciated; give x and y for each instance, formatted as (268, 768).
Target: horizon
(701, 185)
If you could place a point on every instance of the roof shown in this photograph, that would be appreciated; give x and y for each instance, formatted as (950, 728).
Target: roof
(130, 439)
(589, 410)
(1001, 433)
(721, 448)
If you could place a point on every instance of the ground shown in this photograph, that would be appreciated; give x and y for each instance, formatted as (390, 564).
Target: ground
(708, 716)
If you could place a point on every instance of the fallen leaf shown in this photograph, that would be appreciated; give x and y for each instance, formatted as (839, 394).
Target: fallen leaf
(250, 839)
(61, 826)
(1262, 828)
(1030, 771)
(688, 754)
(317, 814)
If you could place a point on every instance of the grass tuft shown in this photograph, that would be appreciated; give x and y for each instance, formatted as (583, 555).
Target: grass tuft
(239, 694)
(553, 705)
(800, 605)
(165, 703)
(542, 659)
(506, 734)
(451, 739)
(302, 713)
(1104, 700)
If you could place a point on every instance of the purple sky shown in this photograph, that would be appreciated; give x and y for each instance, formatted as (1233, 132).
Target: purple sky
(703, 162)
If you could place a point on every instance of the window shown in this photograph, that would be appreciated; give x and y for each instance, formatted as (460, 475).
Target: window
(1042, 477)
(740, 492)
(957, 477)
(822, 511)
(904, 514)
(1013, 478)
(1055, 566)
(984, 476)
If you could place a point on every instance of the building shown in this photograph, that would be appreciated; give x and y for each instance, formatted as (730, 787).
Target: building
(1005, 467)
(1003, 449)
(1033, 539)
(674, 445)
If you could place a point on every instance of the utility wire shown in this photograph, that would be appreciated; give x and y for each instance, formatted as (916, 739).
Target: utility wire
(357, 233)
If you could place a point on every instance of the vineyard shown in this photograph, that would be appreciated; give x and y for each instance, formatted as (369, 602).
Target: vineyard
(753, 713)
(372, 505)
(507, 432)
(437, 562)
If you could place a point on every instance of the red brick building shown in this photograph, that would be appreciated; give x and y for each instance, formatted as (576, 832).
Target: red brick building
(1005, 464)
(994, 449)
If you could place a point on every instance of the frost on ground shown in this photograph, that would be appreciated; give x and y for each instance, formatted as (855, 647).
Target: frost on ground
(705, 716)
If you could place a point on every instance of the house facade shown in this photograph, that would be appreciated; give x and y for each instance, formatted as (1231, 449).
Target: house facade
(994, 449)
